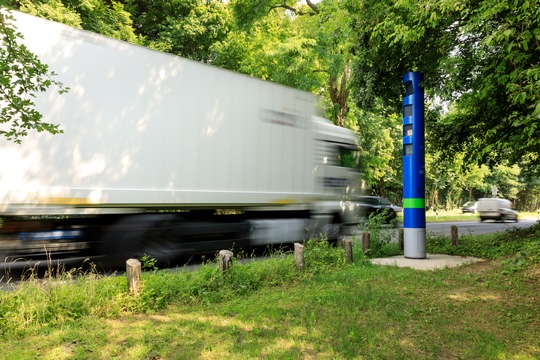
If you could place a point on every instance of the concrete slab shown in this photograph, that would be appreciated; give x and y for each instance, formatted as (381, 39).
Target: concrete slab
(431, 262)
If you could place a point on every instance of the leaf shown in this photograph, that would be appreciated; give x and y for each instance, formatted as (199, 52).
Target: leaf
(23, 76)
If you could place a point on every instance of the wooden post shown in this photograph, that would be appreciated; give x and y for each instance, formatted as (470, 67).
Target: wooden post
(299, 256)
(365, 241)
(455, 237)
(225, 260)
(347, 244)
(133, 274)
(401, 239)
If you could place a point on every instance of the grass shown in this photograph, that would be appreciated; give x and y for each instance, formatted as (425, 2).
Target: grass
(458, 215)
(266, 309)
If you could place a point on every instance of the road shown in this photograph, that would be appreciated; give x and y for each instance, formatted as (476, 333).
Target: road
(476, 227)
(464, 228)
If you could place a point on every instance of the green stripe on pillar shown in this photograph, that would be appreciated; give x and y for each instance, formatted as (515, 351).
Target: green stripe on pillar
(414, 203)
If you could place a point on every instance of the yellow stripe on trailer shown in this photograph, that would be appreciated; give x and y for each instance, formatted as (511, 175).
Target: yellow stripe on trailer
(64, 201)
(283, 201)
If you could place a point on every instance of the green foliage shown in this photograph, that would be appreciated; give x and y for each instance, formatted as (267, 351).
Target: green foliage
(103, 17)
(519, 247)
(380, 150)
(247, 12)
(479, 56)
(305, 46)
(48, 302)
(506, 178)
(528, 255)
(321, 255)
(325, 316)
(381, 244)
(22, 76)
(148, 263)
(274, 48)
(64, 297)
(185, 28)
(53, 10)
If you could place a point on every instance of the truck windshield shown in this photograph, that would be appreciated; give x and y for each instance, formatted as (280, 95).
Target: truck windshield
(349, 158)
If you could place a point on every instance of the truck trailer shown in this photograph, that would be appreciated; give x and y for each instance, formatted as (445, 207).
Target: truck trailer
(165, 156)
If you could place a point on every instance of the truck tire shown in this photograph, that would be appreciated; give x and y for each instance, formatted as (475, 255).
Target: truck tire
(142, 235)
(334, 231)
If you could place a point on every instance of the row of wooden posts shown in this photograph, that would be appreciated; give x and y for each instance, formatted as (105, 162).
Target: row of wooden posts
(133, 266)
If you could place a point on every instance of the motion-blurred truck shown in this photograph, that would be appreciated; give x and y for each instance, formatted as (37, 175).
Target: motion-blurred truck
(165, 156)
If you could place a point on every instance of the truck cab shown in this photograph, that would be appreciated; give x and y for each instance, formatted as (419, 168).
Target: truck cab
(336, 172)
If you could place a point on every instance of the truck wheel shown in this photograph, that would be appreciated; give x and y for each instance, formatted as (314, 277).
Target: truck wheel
(140, 235)
(334, 230)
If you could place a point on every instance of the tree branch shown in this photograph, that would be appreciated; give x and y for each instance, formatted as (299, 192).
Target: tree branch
(296, 11)
(284, 6)
(312, 6)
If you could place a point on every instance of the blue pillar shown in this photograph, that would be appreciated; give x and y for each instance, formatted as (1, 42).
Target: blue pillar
(414, 203)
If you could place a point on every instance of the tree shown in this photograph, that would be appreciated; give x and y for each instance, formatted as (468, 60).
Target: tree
(22, 75)
(311, 51)
(475, 179)
(331, 29)
(482, 56)
(100, 16)
(308, 47)
(274, 49)
(248, 12)
(185, 28)
(436, 179)
(506, 178)
(380, 152)
(52, 10)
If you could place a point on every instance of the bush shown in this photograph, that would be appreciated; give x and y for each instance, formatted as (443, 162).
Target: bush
(320, 255)
(381, 244)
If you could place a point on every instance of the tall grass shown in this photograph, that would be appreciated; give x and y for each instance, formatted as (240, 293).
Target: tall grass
(61, 298)
(64, 297)
(67, 296)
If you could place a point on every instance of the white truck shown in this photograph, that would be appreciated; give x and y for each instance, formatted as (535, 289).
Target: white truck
(164, 156)
(496, 209)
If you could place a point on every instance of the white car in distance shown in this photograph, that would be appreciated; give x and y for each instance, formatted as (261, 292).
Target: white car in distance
(496, 209)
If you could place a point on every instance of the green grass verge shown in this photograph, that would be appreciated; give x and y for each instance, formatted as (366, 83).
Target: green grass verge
(267, 309)
(457, 215)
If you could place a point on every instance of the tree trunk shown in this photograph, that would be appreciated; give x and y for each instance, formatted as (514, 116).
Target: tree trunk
(339, 94)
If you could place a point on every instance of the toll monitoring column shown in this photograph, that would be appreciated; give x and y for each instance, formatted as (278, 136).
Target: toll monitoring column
(414, 204)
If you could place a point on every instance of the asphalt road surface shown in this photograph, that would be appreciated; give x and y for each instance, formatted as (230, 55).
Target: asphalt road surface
(476, 227)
